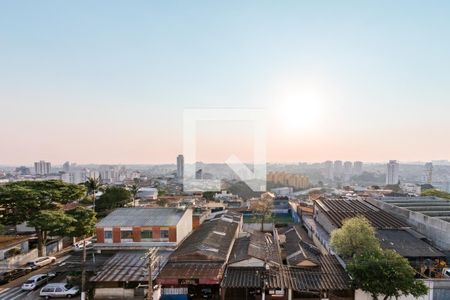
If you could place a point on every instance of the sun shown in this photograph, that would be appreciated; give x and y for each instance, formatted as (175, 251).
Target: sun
(301, 110)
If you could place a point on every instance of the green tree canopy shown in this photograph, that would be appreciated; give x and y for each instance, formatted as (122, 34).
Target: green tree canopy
(113, 197)
(84, 221)
(372, 269)
(385, 273)
(355, 237)
(32, 201)
(436, 193)
(51, 223)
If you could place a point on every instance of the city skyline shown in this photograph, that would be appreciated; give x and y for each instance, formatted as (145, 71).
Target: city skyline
(109, 84)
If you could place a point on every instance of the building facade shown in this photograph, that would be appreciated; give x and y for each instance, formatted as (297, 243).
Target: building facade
(141, 228)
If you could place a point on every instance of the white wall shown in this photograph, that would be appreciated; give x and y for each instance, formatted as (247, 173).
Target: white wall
(184, 226)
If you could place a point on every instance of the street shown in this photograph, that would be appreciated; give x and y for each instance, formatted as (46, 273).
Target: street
(12, 290)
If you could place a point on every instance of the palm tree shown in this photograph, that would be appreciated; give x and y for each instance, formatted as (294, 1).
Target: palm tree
(92, 186)
(134, 189)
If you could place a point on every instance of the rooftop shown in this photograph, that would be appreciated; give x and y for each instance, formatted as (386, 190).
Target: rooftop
(257, 245)
(330, 276)
(406, 244)
(430, 206)
(142, 216)
(11, 240)
(338, 210)
(129, 267)
(211, 241)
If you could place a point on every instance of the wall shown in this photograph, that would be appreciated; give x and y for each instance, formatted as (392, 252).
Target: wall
(18, 260)
(268, 227)
(434, 229)
(184, 226)
(439, 289)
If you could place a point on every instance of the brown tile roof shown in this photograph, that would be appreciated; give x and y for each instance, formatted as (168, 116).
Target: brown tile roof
(330, 276)
(211, 241)
(191, 270)
(257, 245)
(299, 247)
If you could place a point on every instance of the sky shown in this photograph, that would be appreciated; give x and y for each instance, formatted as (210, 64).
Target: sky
(108, 81)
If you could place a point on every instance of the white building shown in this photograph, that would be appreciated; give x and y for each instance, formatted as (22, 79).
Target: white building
(337, 168)
(282, 191)
(75, 177)
(42, 168)
(348, 165)
(357, 167)
(180, 166)
(147, 193)
(392, 172)
(428, 173)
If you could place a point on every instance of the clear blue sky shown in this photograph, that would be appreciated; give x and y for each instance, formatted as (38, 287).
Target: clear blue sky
(107, 81)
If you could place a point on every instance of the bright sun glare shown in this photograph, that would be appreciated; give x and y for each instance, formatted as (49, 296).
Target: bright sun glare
(300, 111)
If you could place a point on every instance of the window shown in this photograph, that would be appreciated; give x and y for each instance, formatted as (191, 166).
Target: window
(126, 234)
(146, 234)
(164, 233)
(58, 290)
(108, 234)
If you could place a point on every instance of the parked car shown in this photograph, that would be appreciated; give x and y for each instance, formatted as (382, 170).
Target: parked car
(41, 262)
(8, 275)
(79, 245)
(36, 281)
(55, 290)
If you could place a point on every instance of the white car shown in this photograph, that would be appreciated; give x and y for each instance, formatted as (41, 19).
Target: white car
(79, 245)
(55, 290)
(41, 262)
(36, 281)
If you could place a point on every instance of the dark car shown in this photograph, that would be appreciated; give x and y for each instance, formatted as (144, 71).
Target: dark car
(8, 275)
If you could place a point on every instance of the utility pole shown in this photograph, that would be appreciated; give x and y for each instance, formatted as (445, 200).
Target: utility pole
(150, 256)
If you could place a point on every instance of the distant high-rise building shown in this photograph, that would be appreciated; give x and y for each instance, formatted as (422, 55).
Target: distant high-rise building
(392, 172)
(329, 169)
(180, 166)
(428, 173)
(337, 168)
(42, 168)
(357, 167)
(66, 166)
(348, 170)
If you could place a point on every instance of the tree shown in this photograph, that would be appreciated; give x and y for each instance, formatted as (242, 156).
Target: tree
(436, 193)
(263, 208)
(92, 186)
(33, 200)
(372, 269)
(83, 226)
(134, 190)
(386, 273)
(162, 202)
(113, 197)
(355, 237)
(209, 195)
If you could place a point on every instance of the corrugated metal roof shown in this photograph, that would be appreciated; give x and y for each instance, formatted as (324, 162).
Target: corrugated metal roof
(191, 270)
(211, 241)
(407, 245)
(142, 216)
(129, 266)
(329, 276)
(258, 245)
(341, 209)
